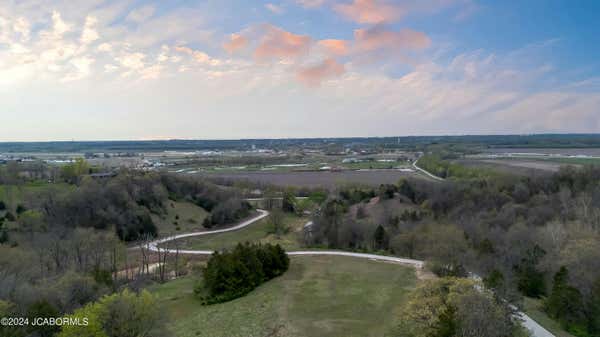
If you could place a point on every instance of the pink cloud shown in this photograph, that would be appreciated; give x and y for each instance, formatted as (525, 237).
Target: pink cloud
(335, 47)
(377, 38)
(235, 43)
(370, 11)
(278, 43)
(313, 76)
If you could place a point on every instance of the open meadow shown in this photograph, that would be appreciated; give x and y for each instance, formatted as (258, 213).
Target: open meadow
(318, 296)
(260, 231)
(180, 217)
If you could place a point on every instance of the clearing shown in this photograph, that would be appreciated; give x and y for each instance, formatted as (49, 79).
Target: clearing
(184, 215)
(318, 296)
(257, 232)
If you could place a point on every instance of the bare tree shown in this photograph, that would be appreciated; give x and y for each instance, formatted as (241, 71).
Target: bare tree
(176, 243)
(162, 261)
(144, 246)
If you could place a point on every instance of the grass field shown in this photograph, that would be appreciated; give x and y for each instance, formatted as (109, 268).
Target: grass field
(533, 308)
(577, 161)
(257, 232)
(13, 195)
(185, 215)
(317, 296)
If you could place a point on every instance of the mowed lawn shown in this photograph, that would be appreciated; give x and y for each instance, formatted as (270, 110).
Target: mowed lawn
(256, 232)
(318, 296)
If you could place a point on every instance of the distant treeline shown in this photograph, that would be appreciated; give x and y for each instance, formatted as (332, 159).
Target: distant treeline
(410, 142)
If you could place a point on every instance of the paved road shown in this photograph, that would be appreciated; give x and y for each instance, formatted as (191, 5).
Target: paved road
(153, 246)
(535, 329)
(531, 325)
(430, 175)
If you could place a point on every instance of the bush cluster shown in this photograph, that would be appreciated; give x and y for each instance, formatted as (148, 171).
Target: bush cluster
(232, 274)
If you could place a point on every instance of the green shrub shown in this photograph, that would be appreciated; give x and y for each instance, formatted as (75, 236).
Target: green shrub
(10, 217)
(232, 274)
(20, 209)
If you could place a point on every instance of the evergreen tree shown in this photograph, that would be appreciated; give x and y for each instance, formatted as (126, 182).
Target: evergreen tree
(380, 238)
(594, 310)
(231, 274)
(3, 236)
(288, 203)
(565, 303)
(530, 281)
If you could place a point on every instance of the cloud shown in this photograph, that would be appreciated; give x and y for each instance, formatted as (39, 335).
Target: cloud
(82, 68)
(177, 25)
(235, 43)
(133, 61)
(152, 72)
(141, 14)
(335, 47)
(198, 56)
(22, 27)
(89, 33)
(59, 27)
(377, 38)
(105, 47)
(313, 75)
(110, 68)
(276, 43)
(164, 54)
(311, 3)
(370, 11)
(277, 9)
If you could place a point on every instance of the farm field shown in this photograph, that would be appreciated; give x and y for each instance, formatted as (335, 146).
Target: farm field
(318, 178)
(554, 151)
(257, 232)
(514, 166)
(577, 161)
(317, 296)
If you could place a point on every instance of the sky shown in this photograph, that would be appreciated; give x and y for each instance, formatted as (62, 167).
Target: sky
(231, 69)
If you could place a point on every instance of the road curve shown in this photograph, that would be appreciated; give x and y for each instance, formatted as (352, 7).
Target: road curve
(154, 245)
(535, 329)
(427, 173)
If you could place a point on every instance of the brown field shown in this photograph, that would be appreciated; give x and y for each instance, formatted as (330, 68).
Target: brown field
(527, 164)
(318, 178)
(514, 166)
(566, 151)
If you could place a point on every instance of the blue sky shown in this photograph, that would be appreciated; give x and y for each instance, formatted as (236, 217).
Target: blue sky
(107, 69)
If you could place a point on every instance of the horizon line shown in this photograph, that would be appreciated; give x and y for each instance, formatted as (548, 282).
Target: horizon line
(304, 138)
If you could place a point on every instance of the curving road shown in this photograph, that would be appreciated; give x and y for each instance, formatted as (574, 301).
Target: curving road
(531, 325)
(427, 173)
